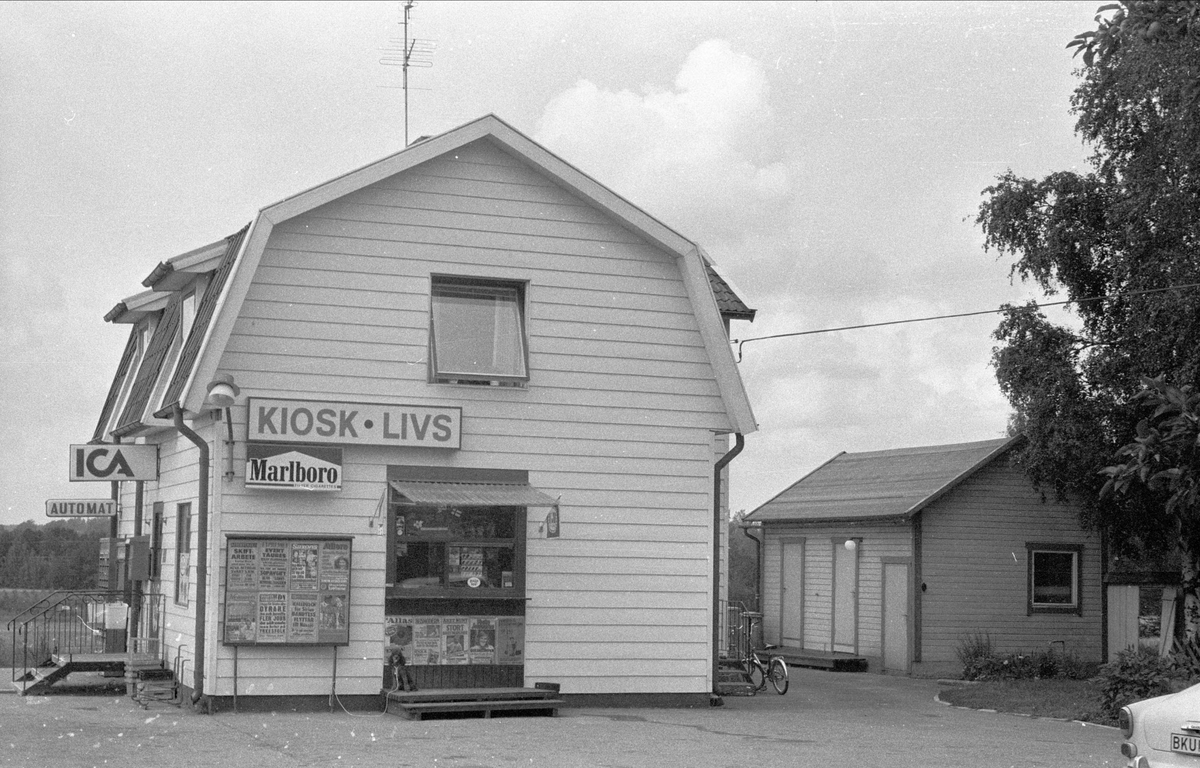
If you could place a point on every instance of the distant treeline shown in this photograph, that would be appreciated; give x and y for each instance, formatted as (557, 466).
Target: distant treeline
(63, 554)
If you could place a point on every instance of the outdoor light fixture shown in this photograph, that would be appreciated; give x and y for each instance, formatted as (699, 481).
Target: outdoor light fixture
(222, 392)
(851, 545)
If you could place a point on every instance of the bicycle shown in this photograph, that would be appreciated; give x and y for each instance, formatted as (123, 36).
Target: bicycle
(756, 671)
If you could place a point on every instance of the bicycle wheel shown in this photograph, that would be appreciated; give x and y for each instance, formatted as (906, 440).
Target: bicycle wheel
(778, 674)
(755, 674)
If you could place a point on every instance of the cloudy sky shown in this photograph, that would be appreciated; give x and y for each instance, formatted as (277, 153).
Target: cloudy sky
(829, 156)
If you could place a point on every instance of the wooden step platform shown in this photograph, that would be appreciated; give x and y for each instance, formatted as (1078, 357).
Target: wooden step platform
(485, 701)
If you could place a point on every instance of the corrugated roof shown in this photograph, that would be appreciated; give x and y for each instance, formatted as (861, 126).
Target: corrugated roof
(879, 484)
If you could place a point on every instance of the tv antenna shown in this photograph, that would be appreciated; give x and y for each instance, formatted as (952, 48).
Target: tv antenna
(407, 52)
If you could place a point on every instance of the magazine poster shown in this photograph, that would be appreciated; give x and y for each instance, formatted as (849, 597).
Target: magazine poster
(302, 618)
(455, 632)
(398, 635)
(335, 566)
(241, 618)
(483, 640)
(510, 640)
(272, 617)
(303, 571)
(273, 565)
(242, 568)
(334, 619)
(427, 640)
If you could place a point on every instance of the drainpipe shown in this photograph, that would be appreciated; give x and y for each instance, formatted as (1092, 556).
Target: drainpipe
(201, 553)
(718, 528)
(746, 528)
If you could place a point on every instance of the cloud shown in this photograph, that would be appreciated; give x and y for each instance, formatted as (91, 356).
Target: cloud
(698, 157)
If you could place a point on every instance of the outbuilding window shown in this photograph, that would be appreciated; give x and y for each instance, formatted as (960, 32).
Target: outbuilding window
(477, 332)
(1054, 578)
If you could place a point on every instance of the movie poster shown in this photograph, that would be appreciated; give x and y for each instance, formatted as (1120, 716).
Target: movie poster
(272, 617)
(510, 640)
(398, 636)
(483, 640)
(242, 572)
(241, 618)
(302, 618)
(303, 571)
(335, 566)
(273, 565)
(427, 640)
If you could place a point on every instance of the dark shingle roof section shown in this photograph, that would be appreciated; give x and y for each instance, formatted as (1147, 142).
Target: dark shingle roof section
(727, 301)
(879, 484)
(204, 315)
(149, 371)
(114, 391)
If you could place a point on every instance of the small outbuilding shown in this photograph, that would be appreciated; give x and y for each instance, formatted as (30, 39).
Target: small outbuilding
(897, 557)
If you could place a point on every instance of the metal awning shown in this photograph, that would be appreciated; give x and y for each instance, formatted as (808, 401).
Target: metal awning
(429, 493)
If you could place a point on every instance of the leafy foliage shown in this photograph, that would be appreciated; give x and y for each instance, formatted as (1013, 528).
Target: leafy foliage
(981, 662)
(1135, 675)
(59, 555)
(1123, 243)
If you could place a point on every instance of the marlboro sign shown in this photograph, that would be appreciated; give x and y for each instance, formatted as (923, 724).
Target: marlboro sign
(294, 467)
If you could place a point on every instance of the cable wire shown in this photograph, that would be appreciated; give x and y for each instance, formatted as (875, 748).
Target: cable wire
(741, 342)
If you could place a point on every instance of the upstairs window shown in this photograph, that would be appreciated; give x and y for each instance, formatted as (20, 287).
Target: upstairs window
(1053, 578)
(477, 332)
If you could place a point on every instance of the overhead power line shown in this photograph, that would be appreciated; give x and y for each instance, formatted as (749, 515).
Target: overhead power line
(742, 342)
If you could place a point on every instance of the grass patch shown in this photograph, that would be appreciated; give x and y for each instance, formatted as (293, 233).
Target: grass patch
(1069, 699)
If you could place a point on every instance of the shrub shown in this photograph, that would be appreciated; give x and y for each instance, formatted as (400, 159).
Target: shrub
(981, 662)
(1136, 674)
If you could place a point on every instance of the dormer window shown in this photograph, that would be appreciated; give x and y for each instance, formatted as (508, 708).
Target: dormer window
(187, 310)
(477, 332)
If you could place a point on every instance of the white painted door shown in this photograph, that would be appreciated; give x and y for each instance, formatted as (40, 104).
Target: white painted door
(791, 571)
(1122, 618)
(845, 598)
(895, 617)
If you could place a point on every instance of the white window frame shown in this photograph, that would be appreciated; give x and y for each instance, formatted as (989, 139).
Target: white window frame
(510, 301)
(1075, 604)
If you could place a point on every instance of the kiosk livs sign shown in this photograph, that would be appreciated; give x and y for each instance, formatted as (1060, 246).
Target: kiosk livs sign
(320, 421)
(108, 463)
(297, 467)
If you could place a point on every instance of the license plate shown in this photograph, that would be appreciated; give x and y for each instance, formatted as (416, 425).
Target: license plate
(1182, 742)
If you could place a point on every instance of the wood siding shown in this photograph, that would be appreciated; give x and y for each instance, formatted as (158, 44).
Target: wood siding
(878, 542)
(618, 416)
(976, 572)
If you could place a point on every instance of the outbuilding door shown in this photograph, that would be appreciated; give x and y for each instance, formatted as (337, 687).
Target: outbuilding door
(895, 616)
(791, 570)
(845, 597)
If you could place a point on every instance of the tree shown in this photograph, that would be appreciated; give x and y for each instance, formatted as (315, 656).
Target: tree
(1123, 243)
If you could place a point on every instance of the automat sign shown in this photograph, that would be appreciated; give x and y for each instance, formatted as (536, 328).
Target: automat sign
(81, 508)
(319, 421)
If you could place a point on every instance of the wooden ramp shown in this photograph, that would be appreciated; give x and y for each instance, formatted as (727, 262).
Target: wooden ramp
(484, 701)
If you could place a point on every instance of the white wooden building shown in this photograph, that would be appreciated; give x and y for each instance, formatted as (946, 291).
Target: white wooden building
(896, 556)
(465, 402)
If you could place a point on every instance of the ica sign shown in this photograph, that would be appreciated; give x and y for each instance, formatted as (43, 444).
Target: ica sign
(109, 463)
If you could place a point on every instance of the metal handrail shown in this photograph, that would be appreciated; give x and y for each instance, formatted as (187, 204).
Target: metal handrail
(70, 622)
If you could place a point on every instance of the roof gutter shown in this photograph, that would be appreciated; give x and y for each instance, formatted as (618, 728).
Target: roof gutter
(201, 554)
(718, 529)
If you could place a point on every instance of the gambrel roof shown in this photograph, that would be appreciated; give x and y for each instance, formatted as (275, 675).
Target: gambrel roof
(231, 265)
(877, 485)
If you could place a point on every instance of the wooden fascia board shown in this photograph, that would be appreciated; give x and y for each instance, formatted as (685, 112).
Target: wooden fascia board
(716, 342)
(134, 308)
(229, 305)
(954, 483)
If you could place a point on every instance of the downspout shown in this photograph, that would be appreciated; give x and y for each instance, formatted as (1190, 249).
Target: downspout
(758, 545)
(718, 528)
(201, 552)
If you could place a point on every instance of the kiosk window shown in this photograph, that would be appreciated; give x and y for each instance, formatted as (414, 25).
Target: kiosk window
(183, 552)
(441, 551)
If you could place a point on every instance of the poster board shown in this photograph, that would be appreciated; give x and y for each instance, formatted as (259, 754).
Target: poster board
(287, 591)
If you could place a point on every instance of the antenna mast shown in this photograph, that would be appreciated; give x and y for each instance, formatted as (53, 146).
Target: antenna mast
(412, 52)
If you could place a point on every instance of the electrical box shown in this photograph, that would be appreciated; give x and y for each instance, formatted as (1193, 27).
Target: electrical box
(138, 560)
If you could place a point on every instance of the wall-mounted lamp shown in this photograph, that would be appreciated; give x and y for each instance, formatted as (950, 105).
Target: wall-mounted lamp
(222, 392)
(851, 545)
